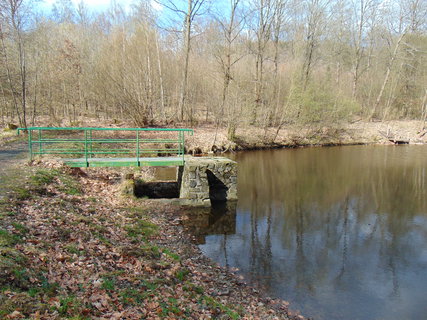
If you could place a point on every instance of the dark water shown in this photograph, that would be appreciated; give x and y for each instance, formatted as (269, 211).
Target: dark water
(341, 232)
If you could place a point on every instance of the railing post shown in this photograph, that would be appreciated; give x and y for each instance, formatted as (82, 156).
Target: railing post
(137, 148)
(30, 143)
(182, 147)
(87, 163)
(91, 143)
(40, 141)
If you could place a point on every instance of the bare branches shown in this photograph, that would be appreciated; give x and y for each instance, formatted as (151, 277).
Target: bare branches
(230, 63)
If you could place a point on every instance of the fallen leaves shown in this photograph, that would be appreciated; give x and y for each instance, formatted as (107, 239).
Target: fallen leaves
(98, 256)
(15, 315)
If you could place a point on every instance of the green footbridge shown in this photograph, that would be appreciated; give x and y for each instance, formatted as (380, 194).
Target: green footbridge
(109, 147)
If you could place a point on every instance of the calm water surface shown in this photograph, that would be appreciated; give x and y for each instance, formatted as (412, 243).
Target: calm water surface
(340, 233)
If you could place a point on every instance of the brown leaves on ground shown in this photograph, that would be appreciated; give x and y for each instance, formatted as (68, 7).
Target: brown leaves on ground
(93, 255)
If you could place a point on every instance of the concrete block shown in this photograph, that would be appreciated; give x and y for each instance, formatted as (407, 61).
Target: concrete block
(205, 179)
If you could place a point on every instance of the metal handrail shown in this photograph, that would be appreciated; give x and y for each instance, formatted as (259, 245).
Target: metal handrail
(37, 143)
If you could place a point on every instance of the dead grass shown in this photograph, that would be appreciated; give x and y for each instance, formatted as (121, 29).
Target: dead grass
(10, 136)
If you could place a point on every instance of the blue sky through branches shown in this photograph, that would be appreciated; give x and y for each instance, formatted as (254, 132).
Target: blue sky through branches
(96, 5)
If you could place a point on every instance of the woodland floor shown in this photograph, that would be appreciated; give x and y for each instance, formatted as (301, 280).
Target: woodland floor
(72, 248)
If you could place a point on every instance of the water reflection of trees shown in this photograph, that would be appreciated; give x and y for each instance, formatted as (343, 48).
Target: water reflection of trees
(339, 218)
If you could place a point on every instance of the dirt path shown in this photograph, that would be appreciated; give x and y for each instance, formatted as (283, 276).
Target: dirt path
(11, 156)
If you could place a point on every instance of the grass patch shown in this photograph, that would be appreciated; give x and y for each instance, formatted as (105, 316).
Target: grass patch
(108, 283)
(23, 302)
(21, 193)
(69, 306)
(38, 182)
(214, 304)
(64, 234)
(151, 285)
(189, 287)
(8, 239)
(141, 229)
(146, 250)
(13, 271)
(69, 185)
(78, 218)
(151, 251)
(66, 183)
(4, 213)
(46, 289)
(43, 177)
(171, 254)
(181, 274)
(131, 297)
(171, 306)
(73, 249)
(20, 228)
(136, 212)
(102, 238)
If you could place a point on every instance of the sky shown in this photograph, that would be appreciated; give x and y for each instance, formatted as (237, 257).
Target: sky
(95, 5)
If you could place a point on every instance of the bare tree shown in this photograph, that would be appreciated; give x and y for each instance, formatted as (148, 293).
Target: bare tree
(363, 12)
(315, 22)
(193, 9)
(12, 18)
(262, 16)
(406, 19)
(64, 11)
(261, 62)
(228, 56)
(279, 21)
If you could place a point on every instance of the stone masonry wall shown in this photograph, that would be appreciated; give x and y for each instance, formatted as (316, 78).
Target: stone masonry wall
(203, 179)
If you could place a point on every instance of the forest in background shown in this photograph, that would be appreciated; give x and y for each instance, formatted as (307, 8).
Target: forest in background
(230, 63)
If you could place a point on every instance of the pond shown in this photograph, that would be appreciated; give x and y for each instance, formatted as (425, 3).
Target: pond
(339, 232)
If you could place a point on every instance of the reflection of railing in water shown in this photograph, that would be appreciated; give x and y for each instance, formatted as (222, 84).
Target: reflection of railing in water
(218, 219)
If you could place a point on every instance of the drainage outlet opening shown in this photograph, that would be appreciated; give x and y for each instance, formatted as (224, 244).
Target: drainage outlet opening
(157, 189)
(217, 188)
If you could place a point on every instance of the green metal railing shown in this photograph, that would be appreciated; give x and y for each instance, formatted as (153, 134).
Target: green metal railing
(90, 143)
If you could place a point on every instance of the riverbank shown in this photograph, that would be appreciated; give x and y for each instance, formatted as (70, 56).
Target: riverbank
(205, 138)
(71, 247)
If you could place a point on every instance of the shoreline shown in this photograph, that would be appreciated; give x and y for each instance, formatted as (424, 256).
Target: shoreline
(208, 139)
(169, 253)
(358, 133)
(86, 251)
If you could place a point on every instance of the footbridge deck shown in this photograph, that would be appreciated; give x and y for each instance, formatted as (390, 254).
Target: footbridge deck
(109, 147)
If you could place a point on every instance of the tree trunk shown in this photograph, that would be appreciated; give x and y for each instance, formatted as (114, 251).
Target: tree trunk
(162, 90)
(424, 109)
(9, 79)
(387, 76)
(184, 80)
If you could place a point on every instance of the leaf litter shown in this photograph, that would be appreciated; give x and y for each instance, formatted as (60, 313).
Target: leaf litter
(71, 247)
